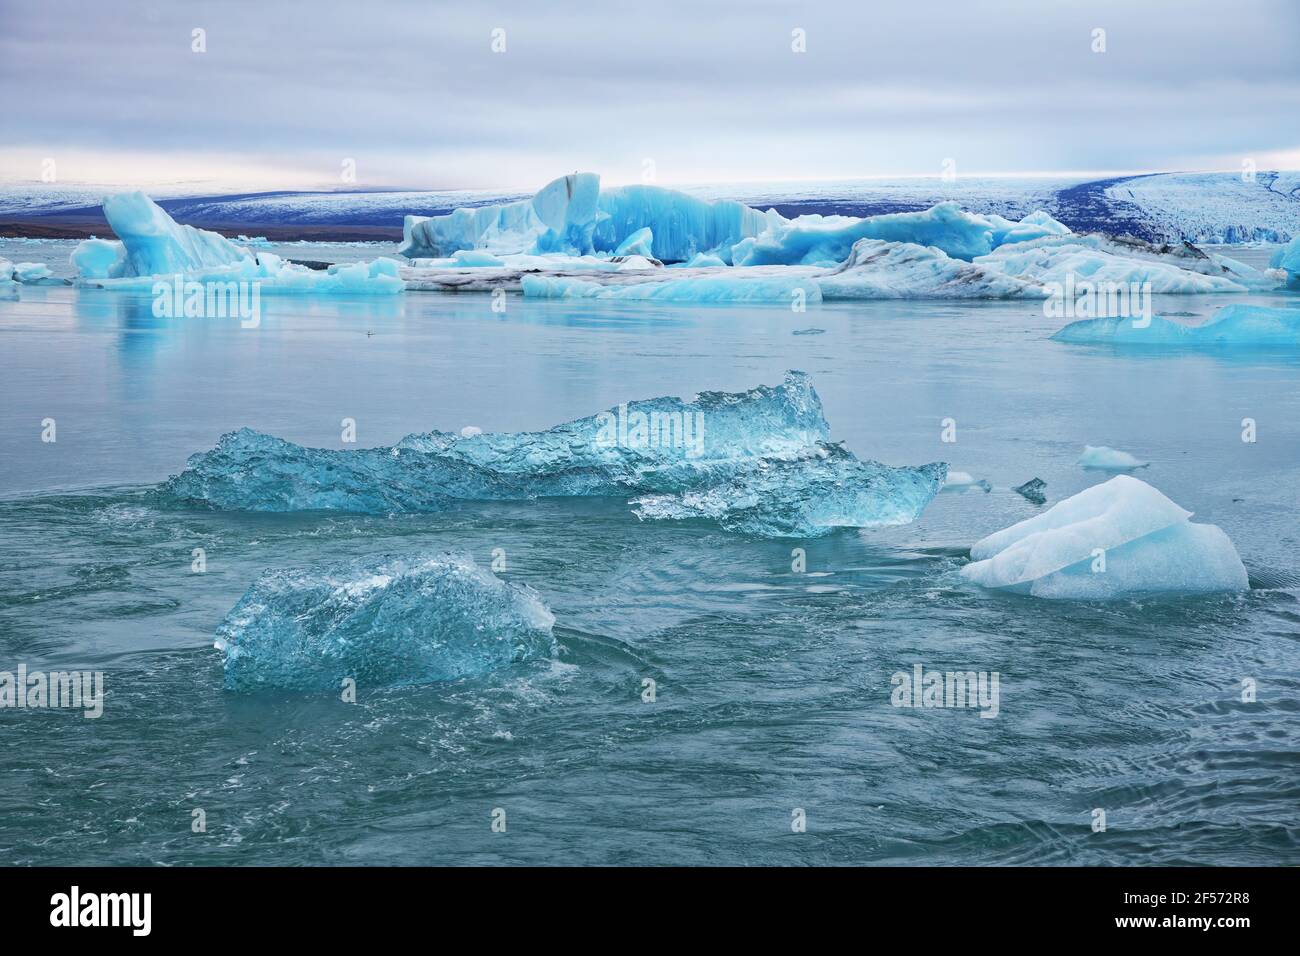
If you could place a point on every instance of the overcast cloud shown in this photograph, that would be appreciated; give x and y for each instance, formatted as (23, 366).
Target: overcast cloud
(413, 92)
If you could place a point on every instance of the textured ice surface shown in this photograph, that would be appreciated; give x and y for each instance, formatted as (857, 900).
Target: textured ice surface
(807, 496)
(757, 461)
(381, 622)
(826, 240)
(1232, 325)
(1109, 541)
(1104, 458)
(683, 225)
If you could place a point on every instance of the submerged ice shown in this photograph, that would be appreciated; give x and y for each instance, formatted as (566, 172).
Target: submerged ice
(1232, 325)
(380, 622)
(758, 461)
(1114, 540)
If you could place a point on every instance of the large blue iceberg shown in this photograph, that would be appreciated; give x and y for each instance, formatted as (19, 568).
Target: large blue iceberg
(1288, 259)
(381, 622)
(1233, 325)
(773, 441)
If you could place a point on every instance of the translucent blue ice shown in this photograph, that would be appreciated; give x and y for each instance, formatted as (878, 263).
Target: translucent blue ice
(381, 622)
(639, 243)
(807, 496)
(152, 243)
(769, 443)
(1232, 325)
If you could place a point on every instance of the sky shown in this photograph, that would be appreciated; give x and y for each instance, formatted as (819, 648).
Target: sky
(485, 95)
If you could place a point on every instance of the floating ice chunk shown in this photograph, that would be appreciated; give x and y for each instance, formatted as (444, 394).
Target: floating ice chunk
(31, 273)
(1103, 458)
(639, 243)
(1034, 226)
(559, 218)
(1112, 540)
(875, 269)
(693, 289)
(965, 481)
(662, 444)
(811, 495)
(1232, 325)
(1032, 490)
(99, 259)
(383, 622)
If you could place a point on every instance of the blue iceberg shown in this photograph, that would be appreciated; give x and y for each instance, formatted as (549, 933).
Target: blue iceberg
(381, 622)
(771, 442)
(1232, 325)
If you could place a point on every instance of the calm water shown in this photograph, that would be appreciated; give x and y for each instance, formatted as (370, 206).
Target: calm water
(772, 687)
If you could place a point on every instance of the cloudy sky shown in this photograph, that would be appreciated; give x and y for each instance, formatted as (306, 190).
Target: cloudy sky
(416, 96)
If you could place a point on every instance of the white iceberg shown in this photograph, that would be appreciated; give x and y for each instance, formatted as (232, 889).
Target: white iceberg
(1233, 325)
(1114, 540)
(1104, 458)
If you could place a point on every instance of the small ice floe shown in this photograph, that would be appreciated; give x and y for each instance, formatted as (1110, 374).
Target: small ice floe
(1104, 458)
(965, 481)
(813, 331)
(1115, 540)
(381, 621)
(1032, 490)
